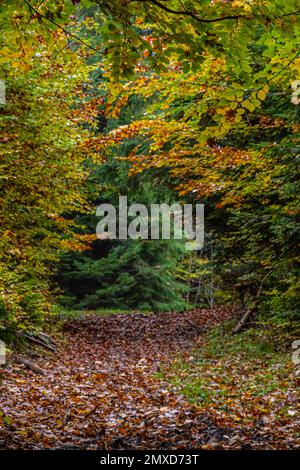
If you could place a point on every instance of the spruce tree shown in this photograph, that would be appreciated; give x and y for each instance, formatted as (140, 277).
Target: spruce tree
(130, 274)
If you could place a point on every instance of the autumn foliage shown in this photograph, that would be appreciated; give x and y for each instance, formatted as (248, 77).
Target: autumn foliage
(216, 124)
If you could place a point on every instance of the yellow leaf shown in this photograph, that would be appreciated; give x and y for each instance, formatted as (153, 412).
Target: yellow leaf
(262, 95)
(248, 105)
(21, 66)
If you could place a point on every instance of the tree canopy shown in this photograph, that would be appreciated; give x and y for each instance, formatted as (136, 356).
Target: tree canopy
(199, 93)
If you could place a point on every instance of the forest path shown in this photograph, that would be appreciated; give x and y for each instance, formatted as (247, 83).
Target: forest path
(102, 389)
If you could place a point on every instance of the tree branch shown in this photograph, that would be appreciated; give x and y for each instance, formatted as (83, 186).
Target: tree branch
(68, 33)
(194, 15)
(210, 20)
(31, 365)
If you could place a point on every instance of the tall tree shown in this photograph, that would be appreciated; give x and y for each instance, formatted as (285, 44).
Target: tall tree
(41, 160)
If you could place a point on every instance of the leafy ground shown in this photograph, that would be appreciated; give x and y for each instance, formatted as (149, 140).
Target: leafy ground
(242, 382)
(116, 383)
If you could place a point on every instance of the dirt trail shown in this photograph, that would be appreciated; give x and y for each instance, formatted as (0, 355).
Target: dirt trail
(102, 389)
